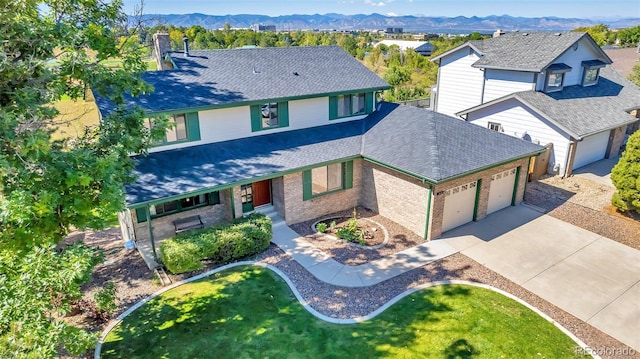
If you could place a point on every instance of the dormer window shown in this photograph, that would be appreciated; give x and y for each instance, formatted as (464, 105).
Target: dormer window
(555, 77)
(591, 71)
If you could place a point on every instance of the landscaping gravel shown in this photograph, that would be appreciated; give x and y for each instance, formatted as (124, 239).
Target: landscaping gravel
(400, 238)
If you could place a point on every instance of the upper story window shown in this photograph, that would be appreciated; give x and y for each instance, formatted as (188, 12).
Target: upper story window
(495, 126)
(182, 128)
(591, 72)
(555, 77)
(348, 105)
(269, 115)
(327, 179)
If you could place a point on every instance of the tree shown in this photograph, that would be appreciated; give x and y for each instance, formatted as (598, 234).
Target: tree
(599, 33)
(634, 76)
(50, 49)
(625, 176)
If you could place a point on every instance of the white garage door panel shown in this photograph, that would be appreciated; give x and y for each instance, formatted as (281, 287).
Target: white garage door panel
(458, 206)
(591, 149)
(501, 190)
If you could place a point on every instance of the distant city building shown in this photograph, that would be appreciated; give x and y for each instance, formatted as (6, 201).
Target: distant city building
(262, 28)
(424, 48)
(394, 30)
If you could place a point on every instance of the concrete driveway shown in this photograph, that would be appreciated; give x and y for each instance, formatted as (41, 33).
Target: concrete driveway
(599, 171)
(590, 276)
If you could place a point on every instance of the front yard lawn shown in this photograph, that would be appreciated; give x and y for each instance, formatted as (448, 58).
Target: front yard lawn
(250, 312)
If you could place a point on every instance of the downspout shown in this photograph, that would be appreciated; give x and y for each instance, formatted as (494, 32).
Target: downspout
(426, 223)
(484, 82)
(153, 241)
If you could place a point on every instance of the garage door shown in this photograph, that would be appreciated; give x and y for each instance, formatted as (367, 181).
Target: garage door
(459, 203)
(501, 190)
(591, 149)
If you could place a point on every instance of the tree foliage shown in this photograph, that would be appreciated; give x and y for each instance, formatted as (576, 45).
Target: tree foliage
(600, 33)
(51, 49)
(626, 177)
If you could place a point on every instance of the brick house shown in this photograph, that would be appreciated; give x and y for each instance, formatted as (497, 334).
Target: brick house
(299, 129)
(544, 87)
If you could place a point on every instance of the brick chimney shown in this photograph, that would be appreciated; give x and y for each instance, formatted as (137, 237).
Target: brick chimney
(161, 46)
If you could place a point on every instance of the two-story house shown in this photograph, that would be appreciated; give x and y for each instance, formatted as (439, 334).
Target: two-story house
(299, 129)
(543, 87)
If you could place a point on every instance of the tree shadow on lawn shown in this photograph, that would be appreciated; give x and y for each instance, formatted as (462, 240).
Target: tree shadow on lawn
(250, 312)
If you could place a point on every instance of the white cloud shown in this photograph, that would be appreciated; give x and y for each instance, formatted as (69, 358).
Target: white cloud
(392, 14)
(379, 3)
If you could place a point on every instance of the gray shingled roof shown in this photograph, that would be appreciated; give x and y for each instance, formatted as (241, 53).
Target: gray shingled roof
(417, 141)
(525, 51)
(582, 111)
(210, 78)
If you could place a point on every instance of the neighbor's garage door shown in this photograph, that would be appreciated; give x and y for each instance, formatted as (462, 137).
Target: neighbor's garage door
(591, 149)
(458, 206)
(501, 190)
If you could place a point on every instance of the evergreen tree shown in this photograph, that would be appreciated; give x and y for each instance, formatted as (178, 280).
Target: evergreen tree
(626, 177)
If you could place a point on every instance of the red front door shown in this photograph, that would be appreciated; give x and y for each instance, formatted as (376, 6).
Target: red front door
(261, 193)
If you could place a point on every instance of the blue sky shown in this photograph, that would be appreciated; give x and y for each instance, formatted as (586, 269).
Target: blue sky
(526, 8)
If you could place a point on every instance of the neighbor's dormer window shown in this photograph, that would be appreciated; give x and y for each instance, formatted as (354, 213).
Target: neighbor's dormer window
(591, 71)
(555, 77)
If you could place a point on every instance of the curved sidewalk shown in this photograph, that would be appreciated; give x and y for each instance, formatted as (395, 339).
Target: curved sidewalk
(327, 269)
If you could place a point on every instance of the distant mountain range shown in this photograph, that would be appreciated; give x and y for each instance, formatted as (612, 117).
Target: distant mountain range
(378, 21)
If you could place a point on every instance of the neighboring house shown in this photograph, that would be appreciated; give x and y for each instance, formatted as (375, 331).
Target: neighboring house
(423, 48)
(624, 59)
(298, 129)
(543, 87)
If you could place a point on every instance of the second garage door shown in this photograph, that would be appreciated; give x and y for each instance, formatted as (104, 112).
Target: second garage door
(501, 190)
(591, 149)
(458, 206)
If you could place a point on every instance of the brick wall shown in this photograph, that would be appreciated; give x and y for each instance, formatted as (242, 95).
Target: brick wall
(399, 197)
(163, 226)
(437, 203)
(296, 210)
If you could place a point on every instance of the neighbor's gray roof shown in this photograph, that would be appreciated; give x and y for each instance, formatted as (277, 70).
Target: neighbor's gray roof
(418, 141)
(525, 51)
(582, 111)
(210, 78)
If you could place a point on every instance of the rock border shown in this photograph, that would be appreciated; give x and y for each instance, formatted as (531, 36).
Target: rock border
(377, 246)
(326, 318)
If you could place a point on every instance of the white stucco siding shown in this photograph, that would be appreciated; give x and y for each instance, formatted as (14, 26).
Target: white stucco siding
(235, 122)
(459, 84)
(517, 119)
(498, 83)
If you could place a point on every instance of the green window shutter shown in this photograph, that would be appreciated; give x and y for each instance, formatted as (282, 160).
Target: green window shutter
(193, 126)
(256, 118)
(141, 215)
(283, 114)
(306, 185)
(348, 174)
(214, 197)
(368, 102)
(333, 107)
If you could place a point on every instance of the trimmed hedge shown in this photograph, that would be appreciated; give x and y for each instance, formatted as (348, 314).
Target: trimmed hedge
(243, 237)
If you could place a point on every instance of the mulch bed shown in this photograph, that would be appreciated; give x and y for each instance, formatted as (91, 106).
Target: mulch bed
(400, 238)
(372, 235)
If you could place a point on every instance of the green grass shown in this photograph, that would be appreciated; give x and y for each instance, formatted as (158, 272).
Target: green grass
(249, 312)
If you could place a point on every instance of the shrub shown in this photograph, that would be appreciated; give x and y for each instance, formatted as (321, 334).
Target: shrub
(222, 243)
(180, 256)
(105, 299)
(321, 227)
(625, 176)
(350, 232)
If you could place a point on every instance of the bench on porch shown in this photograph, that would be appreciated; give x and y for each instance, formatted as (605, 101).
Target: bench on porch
(187, 223)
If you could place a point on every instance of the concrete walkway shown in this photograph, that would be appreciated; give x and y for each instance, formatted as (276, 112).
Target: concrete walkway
(592, 277)
(599, 171)
(326, 269)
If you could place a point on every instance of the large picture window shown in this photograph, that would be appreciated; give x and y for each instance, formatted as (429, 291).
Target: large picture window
(327, 179)
(180, 205)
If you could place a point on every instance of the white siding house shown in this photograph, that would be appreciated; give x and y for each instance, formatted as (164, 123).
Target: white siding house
(463, 88)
